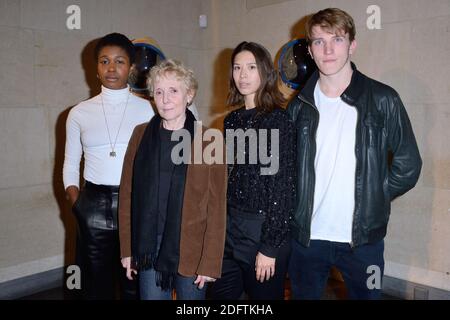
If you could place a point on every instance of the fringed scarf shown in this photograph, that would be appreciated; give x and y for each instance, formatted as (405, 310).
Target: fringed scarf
(144, 207)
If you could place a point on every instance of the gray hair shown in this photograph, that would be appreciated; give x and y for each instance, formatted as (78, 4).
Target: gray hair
(176, 68)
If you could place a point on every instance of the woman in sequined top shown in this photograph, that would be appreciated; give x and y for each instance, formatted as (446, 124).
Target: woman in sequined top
(260, 152)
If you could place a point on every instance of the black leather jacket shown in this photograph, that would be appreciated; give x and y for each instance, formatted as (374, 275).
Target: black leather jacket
(388, 162)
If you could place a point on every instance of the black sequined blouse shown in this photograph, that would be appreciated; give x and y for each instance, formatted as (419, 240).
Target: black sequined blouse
(268, 195)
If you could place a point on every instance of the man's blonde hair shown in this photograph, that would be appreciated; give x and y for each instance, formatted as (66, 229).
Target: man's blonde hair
(332, 20)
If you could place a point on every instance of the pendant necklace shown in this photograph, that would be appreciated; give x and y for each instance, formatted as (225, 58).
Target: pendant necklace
(113, 146)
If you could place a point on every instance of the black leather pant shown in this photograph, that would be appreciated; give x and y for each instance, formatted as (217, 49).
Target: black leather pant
(98, 253)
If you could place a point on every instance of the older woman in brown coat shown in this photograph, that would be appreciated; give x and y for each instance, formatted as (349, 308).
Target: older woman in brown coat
(172, 214)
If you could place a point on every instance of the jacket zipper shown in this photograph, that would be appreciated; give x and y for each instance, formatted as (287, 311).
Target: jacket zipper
(357, 151)
(313, 180)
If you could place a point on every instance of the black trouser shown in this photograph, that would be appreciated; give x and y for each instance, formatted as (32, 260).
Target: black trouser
(238, 267)
(98, 241)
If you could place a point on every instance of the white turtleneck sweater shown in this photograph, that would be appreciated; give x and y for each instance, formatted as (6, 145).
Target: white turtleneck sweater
(86, 133)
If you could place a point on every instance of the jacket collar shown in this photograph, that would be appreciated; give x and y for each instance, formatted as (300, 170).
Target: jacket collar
(350, 94)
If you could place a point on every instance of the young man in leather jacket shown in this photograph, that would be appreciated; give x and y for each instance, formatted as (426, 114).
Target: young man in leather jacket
(356, 151)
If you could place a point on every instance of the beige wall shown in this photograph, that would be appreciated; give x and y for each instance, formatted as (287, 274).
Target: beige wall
(410, 52)
(42, 76)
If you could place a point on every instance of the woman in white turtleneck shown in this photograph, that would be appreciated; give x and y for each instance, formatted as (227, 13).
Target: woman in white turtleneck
(99, 129)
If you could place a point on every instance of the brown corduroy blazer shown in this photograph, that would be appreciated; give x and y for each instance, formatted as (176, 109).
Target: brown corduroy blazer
(203, 219)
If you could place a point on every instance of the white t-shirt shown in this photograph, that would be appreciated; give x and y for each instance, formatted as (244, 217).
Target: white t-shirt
(86, 133)
(335, 163)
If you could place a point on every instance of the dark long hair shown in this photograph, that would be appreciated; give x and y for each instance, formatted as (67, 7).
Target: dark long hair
(268, 96)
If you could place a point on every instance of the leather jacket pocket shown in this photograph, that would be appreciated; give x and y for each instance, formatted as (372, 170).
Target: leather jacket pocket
(374, 124)
(303, 126)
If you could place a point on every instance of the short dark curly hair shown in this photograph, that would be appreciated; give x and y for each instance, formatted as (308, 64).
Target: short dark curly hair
(118, 40)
